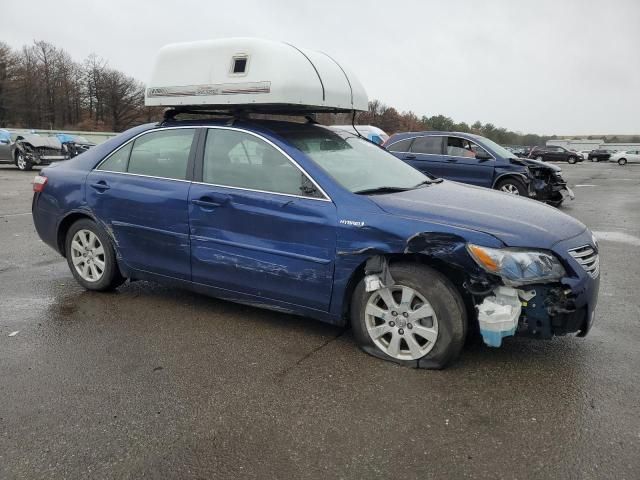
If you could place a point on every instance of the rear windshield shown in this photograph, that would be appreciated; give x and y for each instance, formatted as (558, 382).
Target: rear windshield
(354, 163)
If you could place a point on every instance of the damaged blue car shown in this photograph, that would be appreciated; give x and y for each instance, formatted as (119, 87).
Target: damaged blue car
(320, 223)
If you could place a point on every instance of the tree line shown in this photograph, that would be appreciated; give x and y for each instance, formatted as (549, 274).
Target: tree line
(42, 87)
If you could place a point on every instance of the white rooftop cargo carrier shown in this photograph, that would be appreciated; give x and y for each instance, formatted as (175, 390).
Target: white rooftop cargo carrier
(252, 74)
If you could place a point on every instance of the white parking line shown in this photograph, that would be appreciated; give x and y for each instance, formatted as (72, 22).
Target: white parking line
(3, 215)
(618, 237)
(585, 185)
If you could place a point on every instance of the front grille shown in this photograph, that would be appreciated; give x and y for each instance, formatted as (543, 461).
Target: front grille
(588, 258)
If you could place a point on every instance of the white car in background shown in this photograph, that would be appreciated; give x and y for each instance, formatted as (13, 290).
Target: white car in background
(371, 133)
(624, 157)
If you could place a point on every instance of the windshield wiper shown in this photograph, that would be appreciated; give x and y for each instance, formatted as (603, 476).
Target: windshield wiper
(368, 191)
(429, 181)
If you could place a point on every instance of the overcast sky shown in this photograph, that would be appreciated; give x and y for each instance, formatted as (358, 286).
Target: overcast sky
(563, 67)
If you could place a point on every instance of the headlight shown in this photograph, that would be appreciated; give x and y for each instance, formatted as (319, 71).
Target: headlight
(518, 266)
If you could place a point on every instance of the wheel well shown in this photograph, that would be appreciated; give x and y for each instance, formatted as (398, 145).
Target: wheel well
(508, 176)
(454, 275)
(64, 227)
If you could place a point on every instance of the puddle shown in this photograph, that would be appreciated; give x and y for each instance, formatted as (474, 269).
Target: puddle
(619, 237)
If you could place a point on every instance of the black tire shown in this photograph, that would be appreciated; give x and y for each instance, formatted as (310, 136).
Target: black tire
(572, 160)
(540, 158)
(111, 276)
(622, 161)
(445, 301)
(594, 159)
(23, 164)
(512, 183)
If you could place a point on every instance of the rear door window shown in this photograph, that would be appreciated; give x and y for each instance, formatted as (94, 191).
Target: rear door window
(427, 145)
(164, 153)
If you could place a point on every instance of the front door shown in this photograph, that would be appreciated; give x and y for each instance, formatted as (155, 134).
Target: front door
(140, 194)
(259, 225)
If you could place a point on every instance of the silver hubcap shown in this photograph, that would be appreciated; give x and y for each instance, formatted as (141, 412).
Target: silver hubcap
(539, 158)
(87, 255)
(510, 188)
(401, 322)
(22, 164)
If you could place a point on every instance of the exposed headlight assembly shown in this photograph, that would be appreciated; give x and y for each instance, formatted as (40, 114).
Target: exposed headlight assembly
(517, 266)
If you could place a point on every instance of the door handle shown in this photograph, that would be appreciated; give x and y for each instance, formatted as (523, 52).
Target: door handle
(409, 157)
(452, 160)
(101, 186)
(210, 201)
(205, 203)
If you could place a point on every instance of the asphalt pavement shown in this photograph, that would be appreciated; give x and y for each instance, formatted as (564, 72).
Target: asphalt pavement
(153, 382)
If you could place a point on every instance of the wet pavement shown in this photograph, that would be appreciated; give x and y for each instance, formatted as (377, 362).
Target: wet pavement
(151, 382)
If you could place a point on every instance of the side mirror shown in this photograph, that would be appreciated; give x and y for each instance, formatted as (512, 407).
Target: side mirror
(482, 155)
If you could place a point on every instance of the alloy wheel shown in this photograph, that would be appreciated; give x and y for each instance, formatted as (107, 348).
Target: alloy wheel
(401, 322)
(21, 162)
(87, 255)
(510, 188)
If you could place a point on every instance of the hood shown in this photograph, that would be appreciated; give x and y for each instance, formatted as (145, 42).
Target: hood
(517, 222)
(530, 162)
(37, 141)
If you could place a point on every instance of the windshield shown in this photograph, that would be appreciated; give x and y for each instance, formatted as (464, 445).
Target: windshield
(498, 149)
(354, 163)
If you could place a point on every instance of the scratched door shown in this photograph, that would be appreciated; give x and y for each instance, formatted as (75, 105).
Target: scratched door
(258, 225)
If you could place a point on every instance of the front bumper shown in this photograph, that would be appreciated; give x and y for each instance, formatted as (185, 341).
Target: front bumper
(565, 307)
(553, 190)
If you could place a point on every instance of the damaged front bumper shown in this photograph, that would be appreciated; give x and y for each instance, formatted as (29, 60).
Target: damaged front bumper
(549, 309)
(552, 190)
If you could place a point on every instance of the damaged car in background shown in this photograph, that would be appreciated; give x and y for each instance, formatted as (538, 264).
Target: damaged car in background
(476, 160)
(35, 150)
(299, 218)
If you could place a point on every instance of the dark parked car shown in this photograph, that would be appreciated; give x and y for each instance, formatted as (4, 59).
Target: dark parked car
(74, 145)
(555, 154)
(306, 220)
(601, 155)
(476, 160)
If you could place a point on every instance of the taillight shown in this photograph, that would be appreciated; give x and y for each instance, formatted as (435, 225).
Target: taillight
(39, 183)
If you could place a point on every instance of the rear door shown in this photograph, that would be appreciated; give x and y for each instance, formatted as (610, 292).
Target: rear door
(462, 165)
(259, 224)
(425, 154)
(140, 194)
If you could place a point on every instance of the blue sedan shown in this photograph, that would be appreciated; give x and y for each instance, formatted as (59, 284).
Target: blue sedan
(306, 220)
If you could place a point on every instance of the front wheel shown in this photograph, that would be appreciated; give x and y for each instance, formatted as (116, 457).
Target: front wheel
(91, 257)
(572, 160)
(622, 161)
(540, 158)
(512, 186)
(420, 321)
(22, 162)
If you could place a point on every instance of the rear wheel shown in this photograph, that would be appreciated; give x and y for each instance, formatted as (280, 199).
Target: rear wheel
(513, 186)
(22, 162)
(540, 158)
(420, 321)
(91, 257)
(622, 161)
